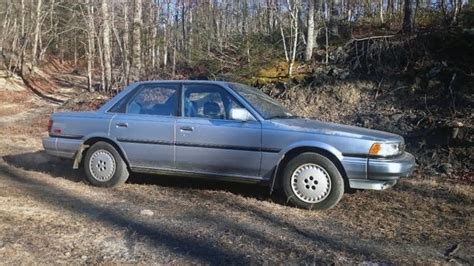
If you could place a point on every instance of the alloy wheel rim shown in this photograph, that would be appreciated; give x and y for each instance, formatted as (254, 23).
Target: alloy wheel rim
(311, 183)
(102, 165)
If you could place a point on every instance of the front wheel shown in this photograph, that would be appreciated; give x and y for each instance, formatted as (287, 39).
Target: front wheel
(312, 181)
(104, 166)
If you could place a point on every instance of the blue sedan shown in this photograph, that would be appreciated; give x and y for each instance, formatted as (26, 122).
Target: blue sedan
(226, 131)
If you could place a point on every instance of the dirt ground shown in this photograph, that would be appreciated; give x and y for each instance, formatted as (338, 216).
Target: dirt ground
(48, 214)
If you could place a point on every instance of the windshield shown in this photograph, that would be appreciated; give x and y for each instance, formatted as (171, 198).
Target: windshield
(267, 107)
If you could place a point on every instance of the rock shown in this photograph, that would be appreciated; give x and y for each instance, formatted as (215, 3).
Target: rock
(446, 168)
(397, 117)
(366, 123)
(433, 72)
(452, 250)
(146, 212)
(434, 84)
(456, 124)
(344, 74)
(431, 172)
(84, 257)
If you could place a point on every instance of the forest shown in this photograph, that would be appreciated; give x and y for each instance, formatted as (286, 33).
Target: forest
(403, 66)
(125, 41)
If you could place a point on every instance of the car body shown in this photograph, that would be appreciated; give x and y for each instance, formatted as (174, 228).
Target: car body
(223, 130)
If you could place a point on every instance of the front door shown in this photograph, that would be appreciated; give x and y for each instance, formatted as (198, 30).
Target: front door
(209, 141)
(144, 125)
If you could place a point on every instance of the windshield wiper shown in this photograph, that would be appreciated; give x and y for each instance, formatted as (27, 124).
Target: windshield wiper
(283, 117)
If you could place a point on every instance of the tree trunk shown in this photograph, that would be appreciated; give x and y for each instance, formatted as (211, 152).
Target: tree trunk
(126, 45)
(23, 13)
(155, 14)
(381, 12)
(37, 33)
(190, 35)
(293, 10)
(457, 10)
(136, 36)
(407, 17)
(310, 36)
(173, 70)
(106, 46)
(326, 30)
(270, 11)
(90, 44)
(101, 59)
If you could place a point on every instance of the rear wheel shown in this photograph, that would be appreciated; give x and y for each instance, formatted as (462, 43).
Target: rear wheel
(104, 166)
(312, 181)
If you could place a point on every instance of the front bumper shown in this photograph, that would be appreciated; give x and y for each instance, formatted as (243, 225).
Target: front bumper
(380, 173)
(391, 168)
(61, 147)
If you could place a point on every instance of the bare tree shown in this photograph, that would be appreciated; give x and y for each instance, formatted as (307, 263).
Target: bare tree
(381, 11)
(310, 35)
(36, 33)
(141, 36)
(89, 19)
(23, 14)
(135, 69)
(126, 44)
(457, 10)
(408, 23)
(106, 45)
(155, 18)
(290, 50)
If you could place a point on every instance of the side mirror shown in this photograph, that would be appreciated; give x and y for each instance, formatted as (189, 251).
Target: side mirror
(241, 114)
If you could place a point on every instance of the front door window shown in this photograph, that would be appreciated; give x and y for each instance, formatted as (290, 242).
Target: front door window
(208, 101)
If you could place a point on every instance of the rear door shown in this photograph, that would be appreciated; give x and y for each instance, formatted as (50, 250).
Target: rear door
(144, 125)
(208, 141)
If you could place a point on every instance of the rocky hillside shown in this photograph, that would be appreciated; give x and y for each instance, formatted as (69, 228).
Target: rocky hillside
(429, 100)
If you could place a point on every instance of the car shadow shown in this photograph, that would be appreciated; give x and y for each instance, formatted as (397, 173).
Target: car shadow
(158, 234)
(40, 161)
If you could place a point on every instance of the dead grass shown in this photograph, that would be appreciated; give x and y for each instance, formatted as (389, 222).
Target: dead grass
(49, 215)
(277, 71)
(36, 130)
(14, 97)
(10, 110)
(348, 93)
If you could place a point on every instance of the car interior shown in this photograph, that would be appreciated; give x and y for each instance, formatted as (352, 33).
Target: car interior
(154, 102)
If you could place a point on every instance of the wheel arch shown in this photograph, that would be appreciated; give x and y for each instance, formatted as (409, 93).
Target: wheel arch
(291, 153)
(91, 141)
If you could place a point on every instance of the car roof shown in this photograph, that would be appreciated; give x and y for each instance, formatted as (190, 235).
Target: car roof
(216, 82)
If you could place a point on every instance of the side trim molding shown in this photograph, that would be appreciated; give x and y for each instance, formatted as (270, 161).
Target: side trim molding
(200, 145)
(206, 175)
(66, 136)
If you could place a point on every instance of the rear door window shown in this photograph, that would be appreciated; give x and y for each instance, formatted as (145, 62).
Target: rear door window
(155, 99)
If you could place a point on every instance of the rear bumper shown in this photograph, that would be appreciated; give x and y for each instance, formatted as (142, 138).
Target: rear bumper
(61, 147)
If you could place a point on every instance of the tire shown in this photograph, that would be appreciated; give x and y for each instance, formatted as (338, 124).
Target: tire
(104, 166)
(312, 181)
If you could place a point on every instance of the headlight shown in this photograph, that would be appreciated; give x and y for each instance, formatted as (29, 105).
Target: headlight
(386, 149)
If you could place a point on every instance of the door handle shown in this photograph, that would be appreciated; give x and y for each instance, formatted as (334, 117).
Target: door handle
(121, 124)
(186, 128)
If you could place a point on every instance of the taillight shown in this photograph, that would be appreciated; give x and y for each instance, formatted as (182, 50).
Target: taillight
(50, 125)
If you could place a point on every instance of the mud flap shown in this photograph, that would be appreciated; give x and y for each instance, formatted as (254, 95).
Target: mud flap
(78, 156)
(274, 177)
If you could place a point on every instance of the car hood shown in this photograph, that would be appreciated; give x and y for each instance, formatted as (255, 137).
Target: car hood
(326, 128)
